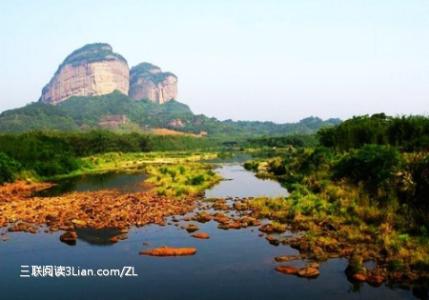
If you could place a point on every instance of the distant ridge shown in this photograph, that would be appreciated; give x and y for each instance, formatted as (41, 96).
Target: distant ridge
(83, 113)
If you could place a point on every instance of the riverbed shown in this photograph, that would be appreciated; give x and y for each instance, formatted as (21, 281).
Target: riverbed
(232, 264)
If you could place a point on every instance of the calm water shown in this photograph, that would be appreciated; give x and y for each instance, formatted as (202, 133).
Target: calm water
(124, 182)
(244, 184)
(230, 265)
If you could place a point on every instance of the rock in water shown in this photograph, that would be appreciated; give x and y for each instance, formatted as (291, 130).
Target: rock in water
(169, 251)
(148, 82)
(92, 70)
(201, 235)
(191, 228)
(287, 270)
(286, 258)
(359, 277)
(69, 237)
(308, 272)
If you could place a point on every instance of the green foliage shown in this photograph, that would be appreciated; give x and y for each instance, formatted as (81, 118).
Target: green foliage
(408, 132)
(86, 113)
(374, 165)
(47, 155)
(8, 168)
(277, 166)
(181, 180)
(419, 170)
(283, 141)
(53, 153)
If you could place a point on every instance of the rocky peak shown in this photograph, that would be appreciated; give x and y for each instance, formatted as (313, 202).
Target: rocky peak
(91, 70)
(147, 81)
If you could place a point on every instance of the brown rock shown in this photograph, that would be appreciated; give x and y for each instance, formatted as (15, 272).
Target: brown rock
(270, 228)
(79, 223)
(191, 228)
(234, 225)
(69, 237)
(169, 251)
(359, 277)
(250, 221)
(203, 217)
(119, 237)
(273, 240)
(220, 205)
(201, 235)
(308, 272)
(287, 270)
(148, 82)
(239, 205)
(286, 258)
(222, 219)
(89, 71)
(375, 279)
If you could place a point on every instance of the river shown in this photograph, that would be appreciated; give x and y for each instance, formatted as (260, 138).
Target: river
(232, 264)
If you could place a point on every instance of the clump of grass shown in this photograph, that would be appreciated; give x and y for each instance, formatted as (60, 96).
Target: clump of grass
(181, 180)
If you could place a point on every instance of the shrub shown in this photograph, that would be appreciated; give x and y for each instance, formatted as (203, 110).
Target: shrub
(374, 165)
(420, 176)
(8, 168)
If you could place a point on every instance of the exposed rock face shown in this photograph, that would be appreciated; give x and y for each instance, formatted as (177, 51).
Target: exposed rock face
(89, 71)
(147, 81)
(113, 121)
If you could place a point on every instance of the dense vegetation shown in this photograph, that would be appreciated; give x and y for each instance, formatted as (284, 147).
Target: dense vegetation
(374, 193)
(182, 179)
(48, 154)
(408, 133)
(369, 178)
(86, 113)
(301, 140)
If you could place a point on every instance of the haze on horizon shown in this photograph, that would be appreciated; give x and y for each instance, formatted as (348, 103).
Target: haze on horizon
(245, 60)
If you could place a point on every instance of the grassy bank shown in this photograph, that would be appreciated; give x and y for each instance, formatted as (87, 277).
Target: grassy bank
(42, 155)
(370, 199)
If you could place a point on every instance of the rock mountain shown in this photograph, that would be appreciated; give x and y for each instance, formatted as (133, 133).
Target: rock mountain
(94, 88)
(95, 70)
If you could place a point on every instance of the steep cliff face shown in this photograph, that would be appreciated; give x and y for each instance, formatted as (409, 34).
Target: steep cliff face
(147, 81)
(89, 71)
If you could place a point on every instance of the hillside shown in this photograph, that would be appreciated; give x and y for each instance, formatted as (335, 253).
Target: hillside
(97, 111)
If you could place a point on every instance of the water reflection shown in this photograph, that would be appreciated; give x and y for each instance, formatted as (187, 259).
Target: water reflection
(124, 182)
(100, 237)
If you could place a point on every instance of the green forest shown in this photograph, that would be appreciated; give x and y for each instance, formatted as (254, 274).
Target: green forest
(85, 113)
(46, 154)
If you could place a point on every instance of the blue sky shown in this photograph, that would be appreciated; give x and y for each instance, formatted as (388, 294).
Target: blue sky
(249, 60)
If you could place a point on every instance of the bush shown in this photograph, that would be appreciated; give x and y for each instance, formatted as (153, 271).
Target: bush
(420, 175)
(409, 133)
(8, 168)
(374, 165)
(277, 166)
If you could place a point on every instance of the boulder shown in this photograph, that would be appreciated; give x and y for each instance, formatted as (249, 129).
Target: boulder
(287, 270)
(69, 237)
(201, 235)
(169, 251)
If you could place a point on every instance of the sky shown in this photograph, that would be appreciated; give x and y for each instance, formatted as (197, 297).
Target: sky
(243, 60)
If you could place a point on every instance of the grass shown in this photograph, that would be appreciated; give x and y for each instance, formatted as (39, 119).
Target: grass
(174, 174)
(182, 179)
(132, 162)
(355, 219)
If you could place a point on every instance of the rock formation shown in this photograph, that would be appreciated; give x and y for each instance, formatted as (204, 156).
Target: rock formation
(89, 71)
(147, 81)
